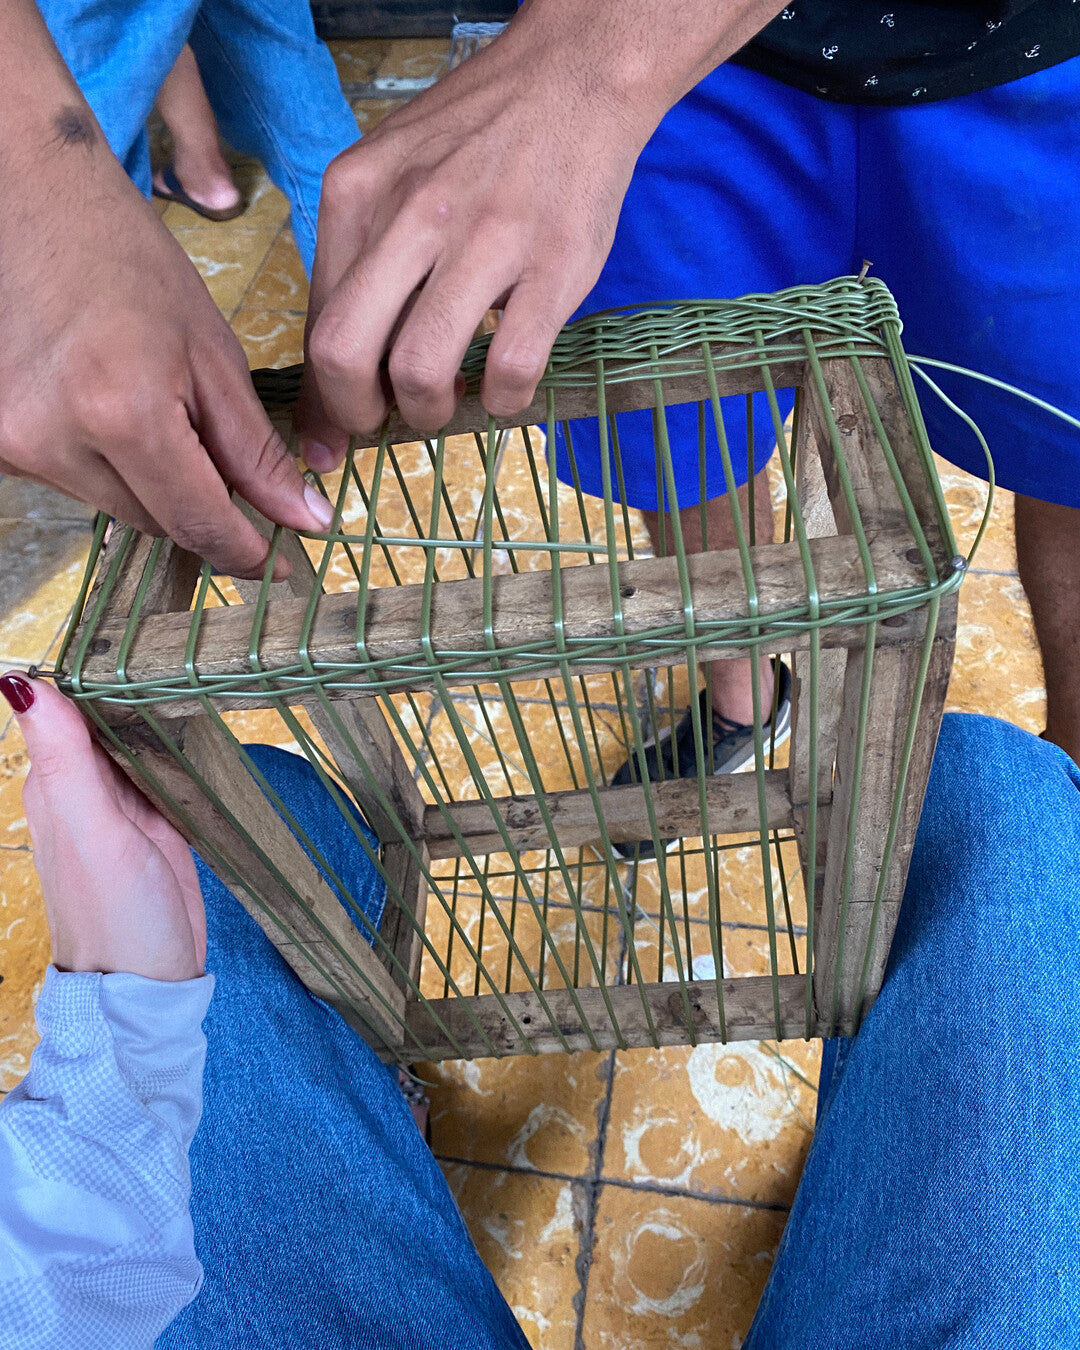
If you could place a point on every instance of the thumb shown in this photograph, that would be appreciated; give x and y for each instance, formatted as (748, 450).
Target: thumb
(57, 738)
(250, 453)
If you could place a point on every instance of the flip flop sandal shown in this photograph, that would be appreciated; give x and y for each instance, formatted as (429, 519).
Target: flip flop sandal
(176, 193)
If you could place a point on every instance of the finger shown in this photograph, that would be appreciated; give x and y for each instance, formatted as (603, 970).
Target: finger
(77, 800)
(185, 493)
(347, 343)
(343, 216)
(65, 781)
(519, 351)
(426, 354)
(178, 855)
(249, 453)
(322, 443)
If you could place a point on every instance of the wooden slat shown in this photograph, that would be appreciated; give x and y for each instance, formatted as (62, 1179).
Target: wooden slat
(470, 415)
(731, 798)
(254, 846)
(361, 721)
(817, 513)
(169, 590)
(872, 485)
(522, 613)
(886, 395)
(844, 964)
(358, 731)
(866, 943)
(405, 878)
(748, 1006)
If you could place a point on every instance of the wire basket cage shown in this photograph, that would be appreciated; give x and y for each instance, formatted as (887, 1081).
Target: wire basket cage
(470, 653)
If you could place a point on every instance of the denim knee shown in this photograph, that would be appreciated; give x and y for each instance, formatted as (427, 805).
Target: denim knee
(997, 856)
(991, 776)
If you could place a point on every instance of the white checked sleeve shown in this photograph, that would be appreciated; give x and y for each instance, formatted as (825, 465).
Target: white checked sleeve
(96, 1244)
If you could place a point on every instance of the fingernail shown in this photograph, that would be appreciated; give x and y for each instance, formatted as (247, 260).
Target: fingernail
(318, 456)
(319, 507)
(18, 692)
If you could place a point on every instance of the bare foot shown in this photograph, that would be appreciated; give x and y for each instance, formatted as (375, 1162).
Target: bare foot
(214, 190)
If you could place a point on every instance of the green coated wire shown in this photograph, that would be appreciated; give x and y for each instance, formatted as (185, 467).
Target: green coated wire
(758, 337)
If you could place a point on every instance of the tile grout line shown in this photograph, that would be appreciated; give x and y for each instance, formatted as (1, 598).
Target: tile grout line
(619, 1183)
(230, 317)
(592, 1185)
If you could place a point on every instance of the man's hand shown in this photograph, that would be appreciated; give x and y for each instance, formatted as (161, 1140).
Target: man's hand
(118, 882)
(498, 187)
(120, 382)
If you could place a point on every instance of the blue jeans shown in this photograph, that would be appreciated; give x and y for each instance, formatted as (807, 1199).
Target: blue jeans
(939, 1205)
(271, 82)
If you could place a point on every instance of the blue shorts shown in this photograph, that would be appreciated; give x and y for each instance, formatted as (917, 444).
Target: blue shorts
(968, 208)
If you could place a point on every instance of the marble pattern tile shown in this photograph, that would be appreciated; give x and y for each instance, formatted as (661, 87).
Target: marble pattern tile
(281, 283)
(674, 1271)
(23, 500)
(228, 261)
(357, 58)
(14, 764)
(370, 112)
(24, 954)
(732, 1121)
(966, 499)
(527, 1230)
(40, 570)
(998, 669)
(270, 338)
(531, 1114)
(414, 57)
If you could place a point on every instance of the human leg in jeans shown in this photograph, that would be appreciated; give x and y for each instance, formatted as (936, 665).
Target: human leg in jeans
(321, 1218)
(276, 95)
(198, 167)
(270, 81)
(940, 1204)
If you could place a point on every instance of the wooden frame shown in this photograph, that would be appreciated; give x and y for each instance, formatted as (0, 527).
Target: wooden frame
(869, 748)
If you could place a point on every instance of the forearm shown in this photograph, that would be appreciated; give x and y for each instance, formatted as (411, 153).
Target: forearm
(642, 56)
(42, 110)
(95, 1235)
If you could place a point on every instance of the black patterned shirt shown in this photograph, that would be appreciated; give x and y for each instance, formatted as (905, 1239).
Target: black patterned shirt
(912, 51)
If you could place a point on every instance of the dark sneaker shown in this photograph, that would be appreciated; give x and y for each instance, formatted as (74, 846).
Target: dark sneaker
(673, 755)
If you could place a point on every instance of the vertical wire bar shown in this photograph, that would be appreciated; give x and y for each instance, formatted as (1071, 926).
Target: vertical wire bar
(532, 770)
(795, 522)
(628, 534)
(664, 457)
(314, 851)
(750, 584)
(474, 767)
(97, 541)
(901, 785)
(575, 716)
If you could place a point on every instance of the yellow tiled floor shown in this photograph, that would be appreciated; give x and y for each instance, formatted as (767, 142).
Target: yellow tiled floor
(622, 1200)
